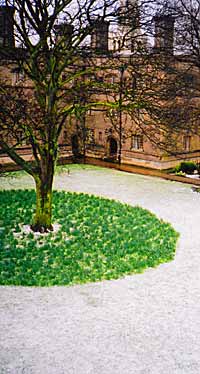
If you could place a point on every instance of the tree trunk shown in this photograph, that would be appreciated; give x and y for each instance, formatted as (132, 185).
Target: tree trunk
(42, 221)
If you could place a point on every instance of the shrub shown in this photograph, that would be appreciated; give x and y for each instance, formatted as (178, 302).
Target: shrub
(180, 174)
(187, 167)
(198, 167)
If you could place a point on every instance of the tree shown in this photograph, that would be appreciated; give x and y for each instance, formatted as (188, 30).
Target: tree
(50, 37)
(182, 111)
(165, 102)
(141, 100)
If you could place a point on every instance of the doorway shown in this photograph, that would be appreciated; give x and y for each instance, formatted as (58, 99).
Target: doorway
(75, 145)
(112, 147)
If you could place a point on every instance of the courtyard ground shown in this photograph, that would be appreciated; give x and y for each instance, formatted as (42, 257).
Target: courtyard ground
(146, 323)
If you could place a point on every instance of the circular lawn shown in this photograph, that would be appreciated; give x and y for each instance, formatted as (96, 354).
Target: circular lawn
(96, 239)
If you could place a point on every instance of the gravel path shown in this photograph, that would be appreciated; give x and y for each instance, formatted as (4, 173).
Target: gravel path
(147, 323)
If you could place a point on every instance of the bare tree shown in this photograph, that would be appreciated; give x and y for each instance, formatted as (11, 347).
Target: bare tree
(51, 35)
(184, 73)
(165, 102)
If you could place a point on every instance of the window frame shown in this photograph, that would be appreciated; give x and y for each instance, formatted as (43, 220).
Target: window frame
(137, 142)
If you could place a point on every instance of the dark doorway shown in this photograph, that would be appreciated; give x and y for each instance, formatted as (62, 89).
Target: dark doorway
(112, 147)
(75, 145)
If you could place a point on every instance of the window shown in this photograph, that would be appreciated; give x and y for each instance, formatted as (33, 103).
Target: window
(65, 136)
(189, 80)
(90, 139)
(134, 83)
(137, 142)
(112, 113)
(108, 131)
(6, 42)
(18, 76)
(100, 79)
(100, 136)
(186, 142)
(114, 79)
(21, 138)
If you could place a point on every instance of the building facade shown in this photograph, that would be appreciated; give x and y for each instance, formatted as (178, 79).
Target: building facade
(123, 135)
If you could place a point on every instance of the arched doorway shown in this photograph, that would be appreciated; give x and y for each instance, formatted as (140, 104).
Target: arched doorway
(112, 147)
(75, 145)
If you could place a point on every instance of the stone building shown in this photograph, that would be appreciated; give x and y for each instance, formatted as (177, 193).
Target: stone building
(116, 135)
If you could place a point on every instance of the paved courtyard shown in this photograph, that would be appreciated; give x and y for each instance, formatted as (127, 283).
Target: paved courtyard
(147, 323)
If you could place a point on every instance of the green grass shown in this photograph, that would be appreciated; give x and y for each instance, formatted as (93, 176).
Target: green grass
(20, 179)
(97, 239)
(73, 167)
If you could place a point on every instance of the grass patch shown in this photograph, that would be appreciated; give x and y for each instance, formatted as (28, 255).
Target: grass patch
(73, 167)
(98, 239)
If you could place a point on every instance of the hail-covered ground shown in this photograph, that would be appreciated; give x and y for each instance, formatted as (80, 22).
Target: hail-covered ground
(143, 324)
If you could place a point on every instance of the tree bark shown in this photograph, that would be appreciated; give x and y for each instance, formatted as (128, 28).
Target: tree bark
(42, 220)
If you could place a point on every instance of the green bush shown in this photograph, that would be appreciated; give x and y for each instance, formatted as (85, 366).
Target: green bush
(180, 173)
(198, 167)
(187, 167)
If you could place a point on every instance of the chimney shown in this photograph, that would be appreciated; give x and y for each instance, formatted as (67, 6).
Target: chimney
(7, 26)
(65, 31)
(128, 13)
(164, 33)
(99, 35)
